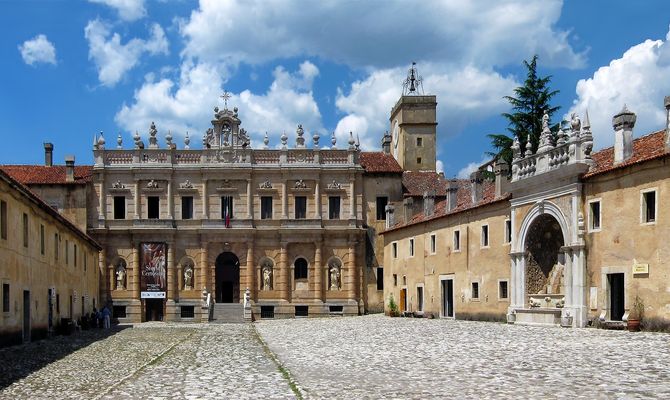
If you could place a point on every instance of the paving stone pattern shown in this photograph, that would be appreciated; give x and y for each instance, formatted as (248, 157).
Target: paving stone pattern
(382, 357)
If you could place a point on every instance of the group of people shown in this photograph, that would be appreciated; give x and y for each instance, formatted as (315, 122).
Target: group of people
(100, 318)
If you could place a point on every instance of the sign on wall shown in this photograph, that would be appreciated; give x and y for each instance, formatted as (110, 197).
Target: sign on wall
(153, 262)
(640, 269)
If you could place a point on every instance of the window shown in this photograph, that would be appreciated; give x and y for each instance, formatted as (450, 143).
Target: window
(508, 231)
(41, 239)
(380, 278)
(25, 230)
(153, 207)
(457, 240)
(594, 215)
(382, 201)
(394, 246)
(227, 207)
(187, 207)
(119, 311)
(334, 207)
(300, 269)
(433, 244)
(411, 247)
(649, 206)
(266, 207)
(419, 298)
(85, 261)
(67, 252)
(419, 142)
(3, 220)
(300, 207)
(5, 297)
(187, 311)
(418, 160)
(475, 290)
(301, 311)
(502, 290)
(56, 246)
(58, 303)
(395, 279)
(267, 312)
(119, 207)
(485, 236)
(74, 255)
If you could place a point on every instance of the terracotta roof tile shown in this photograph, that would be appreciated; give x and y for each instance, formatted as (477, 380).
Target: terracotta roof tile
(43, 175)
(417, 183)
(645, 148)
(378, 161)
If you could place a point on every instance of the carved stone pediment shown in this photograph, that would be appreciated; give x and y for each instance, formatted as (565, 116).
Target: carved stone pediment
(334, 186)
(119, 186)
(187, 186)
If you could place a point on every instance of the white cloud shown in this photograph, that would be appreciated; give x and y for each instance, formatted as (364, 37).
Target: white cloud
(187, 105)
(367, 35)
(439, 166)
(129, 10)
(39, 49)
(638, 79)
(464, 173)
(464, 95)
(114, 59)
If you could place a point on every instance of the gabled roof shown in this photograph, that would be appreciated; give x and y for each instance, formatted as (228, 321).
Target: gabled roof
(379, 162)
(43, 175)
(417, 183)
(645, 148)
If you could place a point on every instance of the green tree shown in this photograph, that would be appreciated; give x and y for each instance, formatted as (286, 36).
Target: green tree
(529, 103)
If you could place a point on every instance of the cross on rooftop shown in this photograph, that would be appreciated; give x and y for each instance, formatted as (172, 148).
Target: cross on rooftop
(225, 96)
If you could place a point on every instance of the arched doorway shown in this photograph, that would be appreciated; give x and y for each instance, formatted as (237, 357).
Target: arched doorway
(227, 278)
(544, 268)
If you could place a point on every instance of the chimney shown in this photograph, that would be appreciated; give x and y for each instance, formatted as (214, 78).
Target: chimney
(386, 143)
(666, 103)
(69, 168)
(48, 154)
(390, 215)
(452, 195)
(428, 203)
(408, 205)
(501, 170)
(476, 186)
(623, 124)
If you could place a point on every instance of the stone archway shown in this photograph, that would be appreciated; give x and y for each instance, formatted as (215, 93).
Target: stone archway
(227, 289)
(544, 267)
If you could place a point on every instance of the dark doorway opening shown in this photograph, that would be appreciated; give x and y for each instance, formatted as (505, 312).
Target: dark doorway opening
(227, 278)
(448, 298)
(615, 282)
(153, 309)
(26, 316)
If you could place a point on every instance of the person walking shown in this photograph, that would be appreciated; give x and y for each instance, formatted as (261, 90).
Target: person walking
(106, 316)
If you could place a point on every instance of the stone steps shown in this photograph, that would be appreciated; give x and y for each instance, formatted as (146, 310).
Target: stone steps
(228, 313)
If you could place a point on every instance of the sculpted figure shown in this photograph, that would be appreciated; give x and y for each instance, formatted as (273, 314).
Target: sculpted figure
(334, 278)
(188, 277)
(120, 277)
(267, 278)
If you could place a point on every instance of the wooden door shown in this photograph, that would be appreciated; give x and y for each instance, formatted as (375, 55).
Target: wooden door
(403, 300)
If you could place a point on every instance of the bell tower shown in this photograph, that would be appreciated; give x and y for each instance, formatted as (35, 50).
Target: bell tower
(414, 126)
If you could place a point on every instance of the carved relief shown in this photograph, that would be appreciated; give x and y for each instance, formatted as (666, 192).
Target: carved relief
(334, 185)
(152, 184)
(300, 184)
(265, 185)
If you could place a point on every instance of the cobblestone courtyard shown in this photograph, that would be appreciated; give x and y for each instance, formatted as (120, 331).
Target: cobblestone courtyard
(347, 358)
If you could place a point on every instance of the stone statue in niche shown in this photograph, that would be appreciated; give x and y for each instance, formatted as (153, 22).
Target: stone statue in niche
(120, 276)
(267, 277)
(188, 277)
(334, 277)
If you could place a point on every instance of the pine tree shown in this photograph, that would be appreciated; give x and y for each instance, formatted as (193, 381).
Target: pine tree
(525, 121)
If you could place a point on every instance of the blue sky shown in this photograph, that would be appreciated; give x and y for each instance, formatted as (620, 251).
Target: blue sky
(71, 69)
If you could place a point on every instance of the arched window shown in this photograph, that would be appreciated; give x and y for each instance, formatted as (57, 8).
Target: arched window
(300, 269)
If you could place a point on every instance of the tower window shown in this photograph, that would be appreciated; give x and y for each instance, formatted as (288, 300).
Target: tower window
(475, 290)
(419, 142)
(594, 215)
(394, 247)
(485, 236)
(380, 278)
(457, 240)
(411, 247)
(433, 244)
(41, 239)
(649, 206)
(382, 201)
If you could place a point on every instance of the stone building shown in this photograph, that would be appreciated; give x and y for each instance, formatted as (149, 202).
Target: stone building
(572, 237)
(49, 266)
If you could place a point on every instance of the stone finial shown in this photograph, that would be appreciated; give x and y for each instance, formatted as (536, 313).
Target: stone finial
(358, 143)
(266, 141)
(101, 142)
(119, 141)
(153, 140)
(187, 141)
(586, 125)
(333, 140)
(351, 141)
(137, 139)
(299, 140)
(315, 139)
(168, 139)
(284, 140)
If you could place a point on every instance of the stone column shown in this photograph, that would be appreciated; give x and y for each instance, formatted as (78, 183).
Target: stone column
(317, 200)
(205, 200)
(284, 200)
(318, 273)
(204, 266)
(349, 279)
(284, 280)
(170, 272)
(136, 272)
(137, 200)
(579, 288)
(250, 213)
(352, 199)
(170, 200)
(567, 277)
(102, 210)
(251, 270)
(180, 280)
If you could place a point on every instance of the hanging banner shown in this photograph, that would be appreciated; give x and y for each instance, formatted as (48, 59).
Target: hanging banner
(153, 264)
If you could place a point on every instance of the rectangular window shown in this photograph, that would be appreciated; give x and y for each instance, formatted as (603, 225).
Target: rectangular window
(85, 261)
(56, 246)
(502, 290)
(3, 220)
(266, 207)
(419, 298)
(394, 246)
(119, 311)
(334, 207)
(300, 207)
(411, 247)
(395, 279)
(457, 240)
(475, 290)
(74, 255)
(649, 206)
(187, 311)
(382, 201)
(418, 160)
(67, 252)
(508, 231)
(5, 297)
(58, 303)
(380, 278)
(153, 207)
(227, 207)
(42, 239)
(25, 230)
(119, 207)
(419, 142)
(485, 236)
(594, 215)
(433, 244)
(301, 311)
(187, 207)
